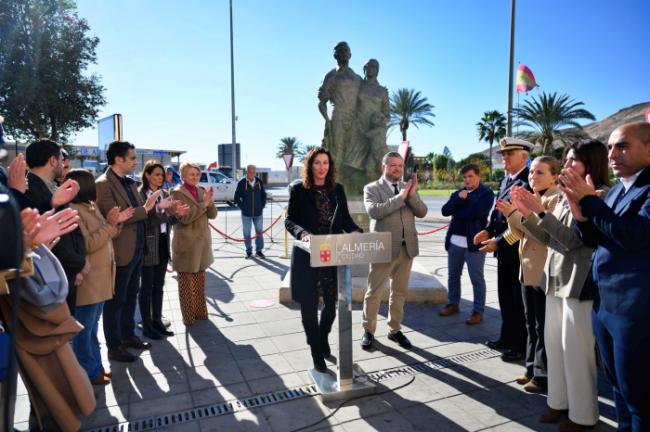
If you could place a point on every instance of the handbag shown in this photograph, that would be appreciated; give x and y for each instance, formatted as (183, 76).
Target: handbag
(48, 287)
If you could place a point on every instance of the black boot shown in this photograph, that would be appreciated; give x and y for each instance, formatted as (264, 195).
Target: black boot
(319, 360)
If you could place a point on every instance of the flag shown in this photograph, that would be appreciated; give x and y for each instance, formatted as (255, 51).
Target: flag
(525, 79)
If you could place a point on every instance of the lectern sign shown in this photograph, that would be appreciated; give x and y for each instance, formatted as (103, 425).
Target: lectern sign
(350, 249)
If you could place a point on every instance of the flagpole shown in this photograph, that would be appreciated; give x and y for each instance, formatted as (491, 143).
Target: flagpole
(511, 65)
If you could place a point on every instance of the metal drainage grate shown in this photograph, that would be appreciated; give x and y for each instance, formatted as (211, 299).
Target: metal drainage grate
(432, 365)
(169, 420)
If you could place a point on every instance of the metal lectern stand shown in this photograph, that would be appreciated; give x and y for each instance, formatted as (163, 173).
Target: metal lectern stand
(343, 250)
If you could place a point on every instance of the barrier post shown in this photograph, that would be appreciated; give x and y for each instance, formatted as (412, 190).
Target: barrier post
(272, 241)
(225, 238)
(286, 243)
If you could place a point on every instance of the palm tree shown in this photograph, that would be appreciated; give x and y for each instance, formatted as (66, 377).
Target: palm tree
(491, 128)
(290, 145)
(306, 150)
(409, 106)
(547, 114)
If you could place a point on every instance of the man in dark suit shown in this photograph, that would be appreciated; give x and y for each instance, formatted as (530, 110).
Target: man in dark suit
(115, 189)
(514, 152)
(620, 227)
(45, 161)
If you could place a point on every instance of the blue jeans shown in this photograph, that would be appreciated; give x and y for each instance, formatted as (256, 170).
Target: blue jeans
(456, 258)
(85, 343)
(246, 227)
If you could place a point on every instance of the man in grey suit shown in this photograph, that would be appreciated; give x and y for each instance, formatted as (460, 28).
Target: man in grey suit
(392, 206)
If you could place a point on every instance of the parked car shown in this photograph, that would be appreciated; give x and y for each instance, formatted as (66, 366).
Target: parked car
(224, 187)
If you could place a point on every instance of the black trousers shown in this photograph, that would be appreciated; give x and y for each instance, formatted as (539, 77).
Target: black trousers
(535, 312)
(151, 289)
(119, 312)
(316, 331)
(513, 327)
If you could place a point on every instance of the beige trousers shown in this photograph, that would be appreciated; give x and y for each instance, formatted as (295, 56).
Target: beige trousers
(571, 361)
(398, 271)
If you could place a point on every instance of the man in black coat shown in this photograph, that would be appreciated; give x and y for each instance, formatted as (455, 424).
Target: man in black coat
(45, 161)
(513, 327)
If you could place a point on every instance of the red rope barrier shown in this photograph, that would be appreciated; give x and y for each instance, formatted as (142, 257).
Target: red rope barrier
(223, 234)
(433, 231)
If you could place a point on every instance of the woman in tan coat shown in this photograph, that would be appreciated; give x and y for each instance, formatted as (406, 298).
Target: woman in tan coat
(192, 243)
(542, 177)
(97, 285)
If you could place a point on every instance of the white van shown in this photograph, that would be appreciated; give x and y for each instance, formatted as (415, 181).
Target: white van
(224, 187)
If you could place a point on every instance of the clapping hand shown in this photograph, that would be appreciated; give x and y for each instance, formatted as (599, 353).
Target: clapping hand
(116, 217)
(489, 245)
(180, 209)
(48, 226)
(151, 200)
(481, 236)
(65, 193)
(505, 207)
(166, 203)
(207, 196)
(16, 174)
(527, 202)
(414, 185)
(574, 186)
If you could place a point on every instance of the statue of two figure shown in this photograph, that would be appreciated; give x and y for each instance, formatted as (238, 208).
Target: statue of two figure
(355, 134)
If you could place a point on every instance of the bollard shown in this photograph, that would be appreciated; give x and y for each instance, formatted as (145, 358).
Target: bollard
(226, 238)
(286, 244)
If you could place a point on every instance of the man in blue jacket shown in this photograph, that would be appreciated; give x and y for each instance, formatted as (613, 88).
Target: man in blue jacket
(250, 197)
(620, 227)
(469, 209)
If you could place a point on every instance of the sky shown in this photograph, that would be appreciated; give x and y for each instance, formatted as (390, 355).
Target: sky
(166, 64)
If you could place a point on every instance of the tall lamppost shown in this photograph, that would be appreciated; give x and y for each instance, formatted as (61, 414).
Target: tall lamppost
(232, 99)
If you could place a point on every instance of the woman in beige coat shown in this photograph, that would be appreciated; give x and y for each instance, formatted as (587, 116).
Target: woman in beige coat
(570, 293)
(543, 177)
(97, 285)
(192, 243)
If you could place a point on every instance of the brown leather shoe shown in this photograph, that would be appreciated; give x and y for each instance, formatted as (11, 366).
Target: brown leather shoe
(101, 380)
(449, 310)
(532, 387)
(569, 426)
(552, 415)
(522, 379)
(474, 318)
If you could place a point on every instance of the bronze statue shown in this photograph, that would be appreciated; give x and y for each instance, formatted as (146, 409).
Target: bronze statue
(340, 87)
(373, 112)
(356, 133)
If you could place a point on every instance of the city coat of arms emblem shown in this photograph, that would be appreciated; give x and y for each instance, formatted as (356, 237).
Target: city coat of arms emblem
(325, 252)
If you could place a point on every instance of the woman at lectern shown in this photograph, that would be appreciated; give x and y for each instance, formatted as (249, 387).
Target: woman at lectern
(317, 205)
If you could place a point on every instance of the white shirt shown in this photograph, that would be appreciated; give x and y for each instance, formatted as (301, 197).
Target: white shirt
(163, 226)
(629, 181)
(251, 182)
(515, 175)
(458, 240)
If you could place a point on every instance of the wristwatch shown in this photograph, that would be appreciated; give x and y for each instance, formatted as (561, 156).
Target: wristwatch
(541, 214)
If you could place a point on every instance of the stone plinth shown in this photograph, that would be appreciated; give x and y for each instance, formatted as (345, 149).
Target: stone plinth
(423, 288)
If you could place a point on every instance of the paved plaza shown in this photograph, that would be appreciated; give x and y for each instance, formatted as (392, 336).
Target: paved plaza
(246, 368)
